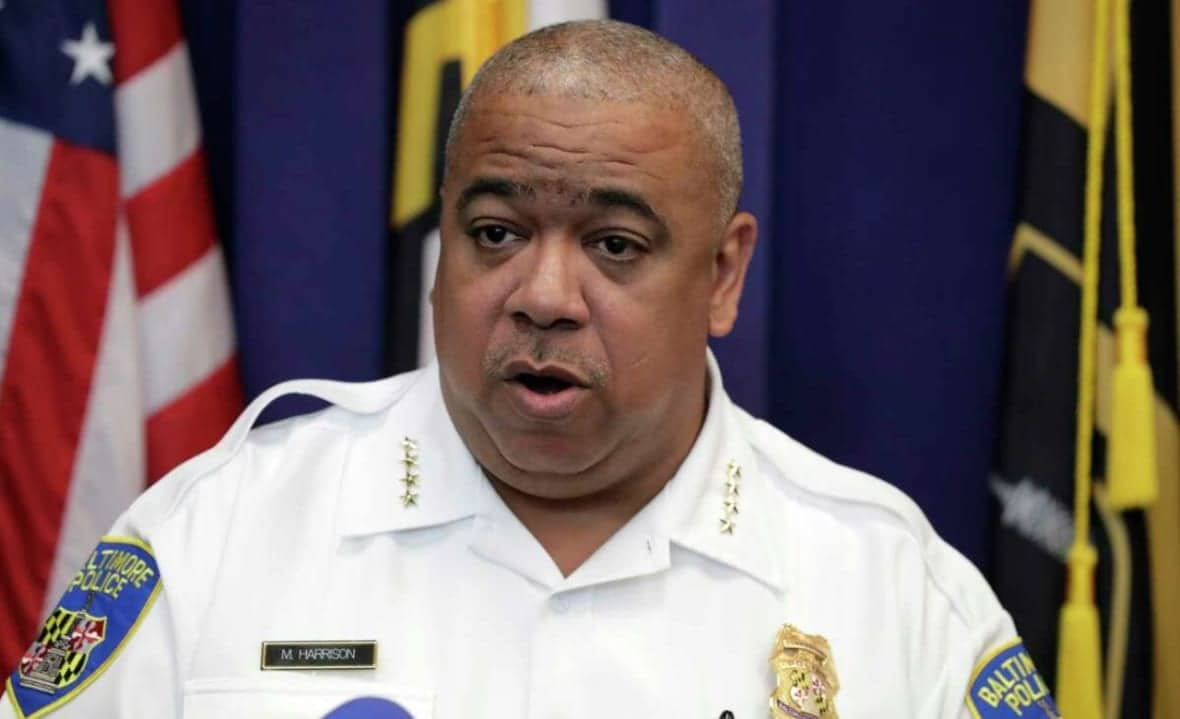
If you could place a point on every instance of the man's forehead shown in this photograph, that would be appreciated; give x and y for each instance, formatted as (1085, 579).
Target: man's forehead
(493, 102)
(577, 151)
(567, 154)
(638, 126)
(530, 186)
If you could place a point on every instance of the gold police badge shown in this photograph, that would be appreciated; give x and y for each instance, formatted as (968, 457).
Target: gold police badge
(805, 676)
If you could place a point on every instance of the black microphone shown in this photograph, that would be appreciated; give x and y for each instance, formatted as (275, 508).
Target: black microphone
(368, 708)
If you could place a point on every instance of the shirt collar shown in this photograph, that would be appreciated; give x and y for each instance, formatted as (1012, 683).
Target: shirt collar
(695, 497)
(449, 479)
(452, 486)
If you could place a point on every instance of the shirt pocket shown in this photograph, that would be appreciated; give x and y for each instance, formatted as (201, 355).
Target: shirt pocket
(291, 695)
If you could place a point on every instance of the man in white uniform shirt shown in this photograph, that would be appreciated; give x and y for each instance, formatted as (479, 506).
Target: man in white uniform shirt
(567, 516)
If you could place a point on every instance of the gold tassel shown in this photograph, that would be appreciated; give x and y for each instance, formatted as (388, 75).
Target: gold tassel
(1079, 678)
(1131, 476)
(1078, 651)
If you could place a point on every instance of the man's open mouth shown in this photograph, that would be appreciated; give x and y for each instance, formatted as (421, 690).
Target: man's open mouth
(542, 384)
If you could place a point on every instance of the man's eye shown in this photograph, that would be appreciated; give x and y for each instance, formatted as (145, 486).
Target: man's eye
(492, 235)
(617, 247)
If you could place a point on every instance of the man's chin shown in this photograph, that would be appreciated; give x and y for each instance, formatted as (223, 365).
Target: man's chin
(555, 455)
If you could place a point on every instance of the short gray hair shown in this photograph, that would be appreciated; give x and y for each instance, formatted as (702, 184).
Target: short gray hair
(613, 61)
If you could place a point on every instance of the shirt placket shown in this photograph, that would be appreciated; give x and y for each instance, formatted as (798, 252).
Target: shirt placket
(560, 646)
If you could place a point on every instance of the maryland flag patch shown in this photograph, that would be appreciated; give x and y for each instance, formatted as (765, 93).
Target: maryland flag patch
(1007, 685)
(100, 610)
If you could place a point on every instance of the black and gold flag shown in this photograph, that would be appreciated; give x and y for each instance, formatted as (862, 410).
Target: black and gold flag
(445, 41)
(1138, 579)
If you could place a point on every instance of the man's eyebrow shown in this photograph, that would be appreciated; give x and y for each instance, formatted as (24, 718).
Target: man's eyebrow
(609, 197)
(496, 186)
(615, 197)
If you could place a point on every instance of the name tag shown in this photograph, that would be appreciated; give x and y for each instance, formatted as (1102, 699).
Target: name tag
(319, 655)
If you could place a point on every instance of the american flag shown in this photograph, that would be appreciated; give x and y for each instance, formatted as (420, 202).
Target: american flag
(116, 339)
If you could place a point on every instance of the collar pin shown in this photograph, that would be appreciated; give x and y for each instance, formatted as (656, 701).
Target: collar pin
(411, 477)
(729, 506)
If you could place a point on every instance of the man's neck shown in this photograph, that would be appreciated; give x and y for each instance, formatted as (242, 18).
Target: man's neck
(571, 530)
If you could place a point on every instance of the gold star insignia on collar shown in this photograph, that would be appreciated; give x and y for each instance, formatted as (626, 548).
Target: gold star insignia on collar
(729, 506)
(411, 477)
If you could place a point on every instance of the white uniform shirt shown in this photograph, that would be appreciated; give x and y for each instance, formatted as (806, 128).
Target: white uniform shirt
(296, 532)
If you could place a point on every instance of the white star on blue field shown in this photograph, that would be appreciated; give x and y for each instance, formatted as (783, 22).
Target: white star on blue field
(91, 56)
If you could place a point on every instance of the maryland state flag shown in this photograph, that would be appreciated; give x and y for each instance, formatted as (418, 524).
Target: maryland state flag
(445, 43)
(1137, 584)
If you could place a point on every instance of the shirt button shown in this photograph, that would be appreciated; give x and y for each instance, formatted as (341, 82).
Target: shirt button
(560, 604)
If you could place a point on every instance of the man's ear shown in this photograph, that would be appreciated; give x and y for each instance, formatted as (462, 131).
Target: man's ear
(729, 271)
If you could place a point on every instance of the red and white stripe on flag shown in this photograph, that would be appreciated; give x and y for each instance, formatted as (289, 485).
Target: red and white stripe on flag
(116, 332)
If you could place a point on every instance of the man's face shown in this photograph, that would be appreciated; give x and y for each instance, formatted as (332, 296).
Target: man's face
(576, 288)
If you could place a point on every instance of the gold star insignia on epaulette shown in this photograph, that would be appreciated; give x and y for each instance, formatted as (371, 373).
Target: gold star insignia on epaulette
(729, 505)
(411, 477)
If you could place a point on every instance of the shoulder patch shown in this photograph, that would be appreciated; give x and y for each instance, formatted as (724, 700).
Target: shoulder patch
(100, 610)
(1006, 684)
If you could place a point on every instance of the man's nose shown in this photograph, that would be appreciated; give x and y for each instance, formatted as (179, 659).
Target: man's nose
(549, 291)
